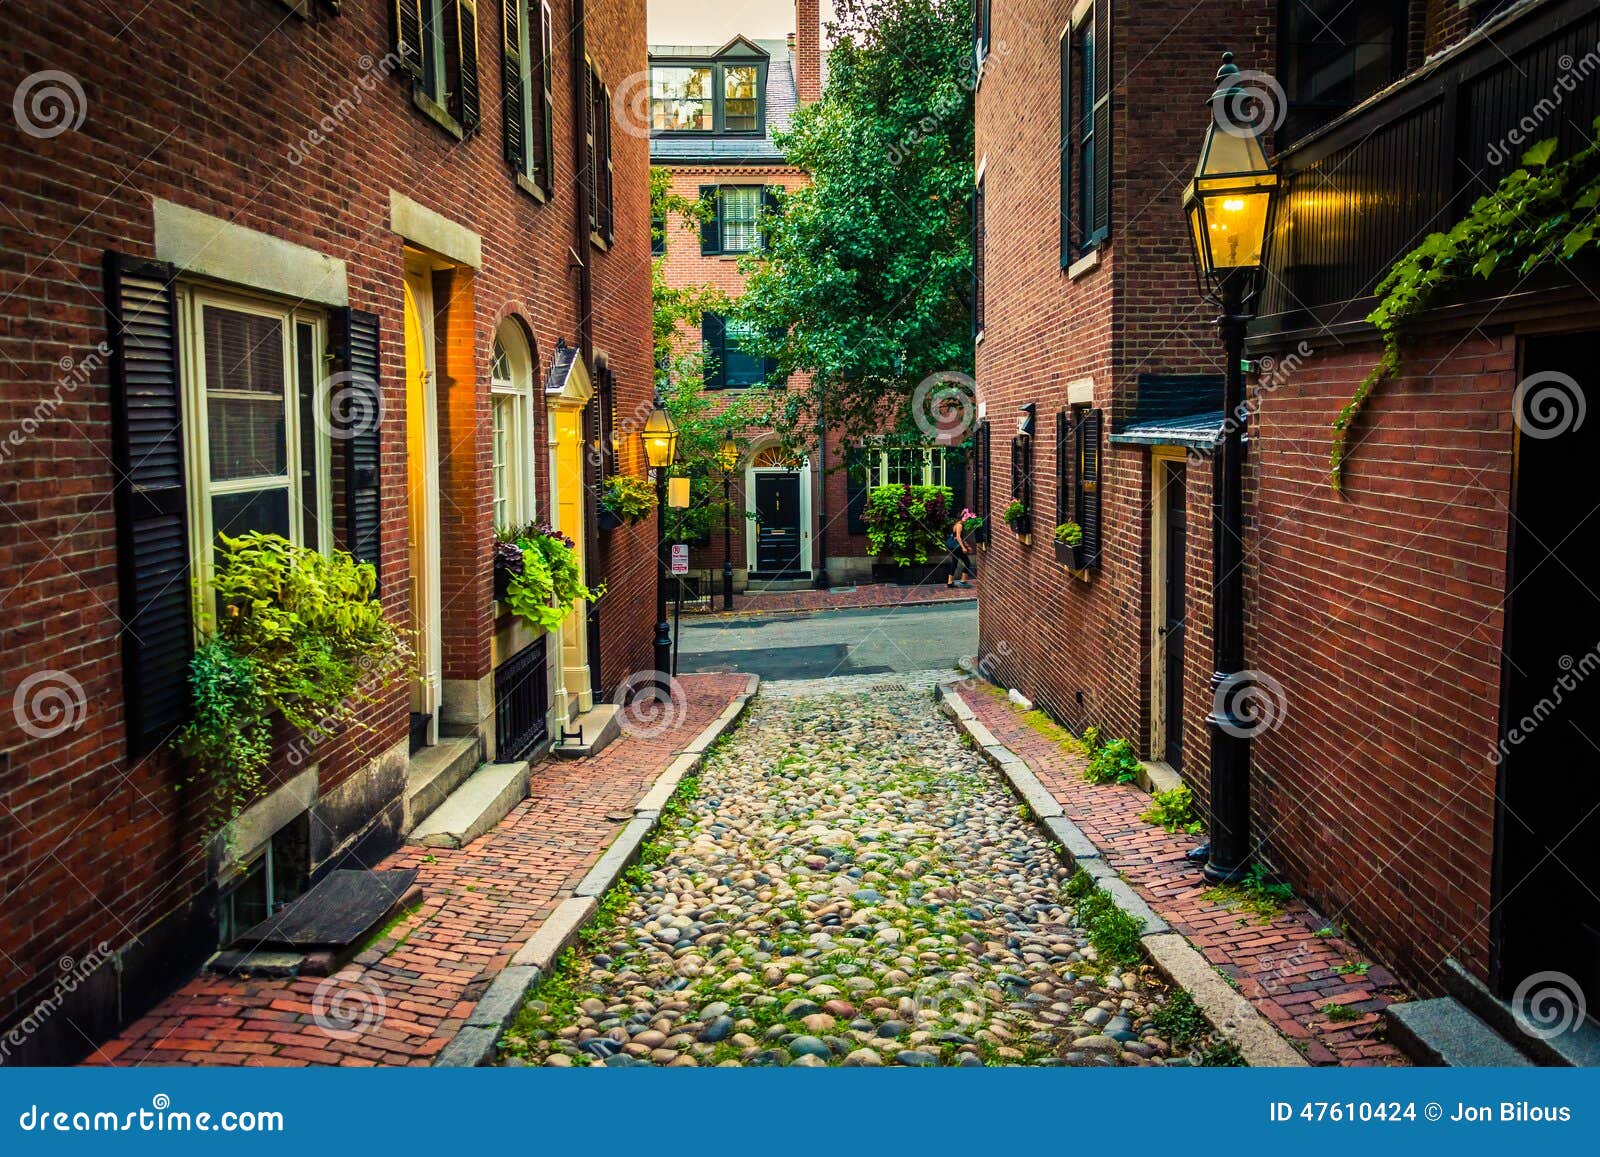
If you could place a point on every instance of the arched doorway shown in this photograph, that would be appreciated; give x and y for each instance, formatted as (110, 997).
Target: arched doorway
(778, 493)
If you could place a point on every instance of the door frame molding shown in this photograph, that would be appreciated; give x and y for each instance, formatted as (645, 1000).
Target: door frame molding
(1158, 562)
(418, 277)
(804, 473)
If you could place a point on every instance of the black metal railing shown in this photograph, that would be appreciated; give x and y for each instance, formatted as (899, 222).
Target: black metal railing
(521, 702)
(1367, 189)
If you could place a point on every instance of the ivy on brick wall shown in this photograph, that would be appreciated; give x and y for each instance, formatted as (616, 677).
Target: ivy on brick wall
(1541, 212)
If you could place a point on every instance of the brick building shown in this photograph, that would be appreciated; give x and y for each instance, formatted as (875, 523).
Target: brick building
(714, 113)
(1405, 628)
(365, 275)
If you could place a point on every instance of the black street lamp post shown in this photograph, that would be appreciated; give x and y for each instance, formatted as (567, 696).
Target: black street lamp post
(727, 458)
(660, 438)
(1229, 205)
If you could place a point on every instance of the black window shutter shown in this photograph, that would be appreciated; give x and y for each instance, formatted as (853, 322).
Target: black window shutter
(711, 227)
(1066, 147)
(855, 491)
(545, 155)
(466, 109)
(512, 70)
(977, 258)
(604, 128)
(1102, 118)
(1088, 486)
(955, 477)
(985, 474)
(151, 500)
(408, 36)
(713, 332)
(356, 346)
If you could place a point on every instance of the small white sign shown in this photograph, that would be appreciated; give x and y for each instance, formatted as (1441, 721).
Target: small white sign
(680, 558)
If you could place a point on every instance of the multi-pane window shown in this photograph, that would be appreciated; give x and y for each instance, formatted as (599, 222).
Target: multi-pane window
(258, 414)
(527, 78)
(1334, 54)
(708, 96)
(680, 98)
(599, 158)
(907, 466)
(740, 111)
(1085, 143)
(739, 207)
(511, 415)
(740, 367)
(436, 42)
(1085, 117)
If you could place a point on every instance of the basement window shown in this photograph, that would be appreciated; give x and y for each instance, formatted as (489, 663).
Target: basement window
(279, 875)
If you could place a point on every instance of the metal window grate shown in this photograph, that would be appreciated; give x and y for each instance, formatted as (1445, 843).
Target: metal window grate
(521, 702)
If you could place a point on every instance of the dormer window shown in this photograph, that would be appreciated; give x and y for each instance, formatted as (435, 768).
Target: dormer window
(721, 93)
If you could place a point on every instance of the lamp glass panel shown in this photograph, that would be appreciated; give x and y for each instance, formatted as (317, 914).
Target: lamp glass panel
(1229, 152)
(1236, 226)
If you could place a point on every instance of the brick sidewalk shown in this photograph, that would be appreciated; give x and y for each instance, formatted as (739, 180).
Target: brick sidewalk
(404, 998)
(843, 598)
(1280, 966)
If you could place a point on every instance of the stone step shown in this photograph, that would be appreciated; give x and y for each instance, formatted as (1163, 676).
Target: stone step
(1443, 1032)
(475, 807)
(599, 726)
(435, 772)
(1553, 1031)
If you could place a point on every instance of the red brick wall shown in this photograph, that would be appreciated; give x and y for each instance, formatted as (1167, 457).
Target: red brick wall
(808, 50)
(178, 107)
(1380, 614)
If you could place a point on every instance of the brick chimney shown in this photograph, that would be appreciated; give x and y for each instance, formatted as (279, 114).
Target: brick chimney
(805, 50)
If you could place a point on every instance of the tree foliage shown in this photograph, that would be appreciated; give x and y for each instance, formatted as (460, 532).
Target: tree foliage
(867, 272)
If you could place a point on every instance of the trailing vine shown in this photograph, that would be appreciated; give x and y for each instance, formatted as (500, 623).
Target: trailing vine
(298, 635)
(908, 523)
(1540, 212)
(548, 582)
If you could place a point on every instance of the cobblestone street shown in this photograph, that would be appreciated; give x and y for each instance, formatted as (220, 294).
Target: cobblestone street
(846, 883)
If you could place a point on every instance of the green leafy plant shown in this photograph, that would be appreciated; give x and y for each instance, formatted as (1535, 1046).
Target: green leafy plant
(907, 523)
(1069, 534)
(1257, 893)
(1114, 933)
(1174, 810)
(296, 634)
(1179, 1020)
(628, 497)
(1112, 762)
(1341, 1013)
(550, 582)
(1541, 212)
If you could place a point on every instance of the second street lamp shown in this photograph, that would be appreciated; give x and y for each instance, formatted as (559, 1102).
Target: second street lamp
(1229, 204)
(660, 437)
(727, 458)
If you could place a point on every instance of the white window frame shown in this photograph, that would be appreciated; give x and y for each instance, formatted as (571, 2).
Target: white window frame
(754, 221)
(932, 472)
(511, 412)
(192, 301)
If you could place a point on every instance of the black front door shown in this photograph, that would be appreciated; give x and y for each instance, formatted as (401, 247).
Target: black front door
(1547, 889)
(778, 524)
(1176, 549)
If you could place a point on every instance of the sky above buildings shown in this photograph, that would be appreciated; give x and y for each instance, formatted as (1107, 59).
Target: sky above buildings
(717, 21)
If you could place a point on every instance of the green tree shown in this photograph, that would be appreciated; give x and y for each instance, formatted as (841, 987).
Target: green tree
(866, 277)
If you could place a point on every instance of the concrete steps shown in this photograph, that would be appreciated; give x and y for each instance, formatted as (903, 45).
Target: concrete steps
(598, 726)
(1473, 1027)
(1442, 1032)
(435, 772)
(486, 798)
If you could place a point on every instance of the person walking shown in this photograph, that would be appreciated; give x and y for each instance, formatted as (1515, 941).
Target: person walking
(956, 543)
